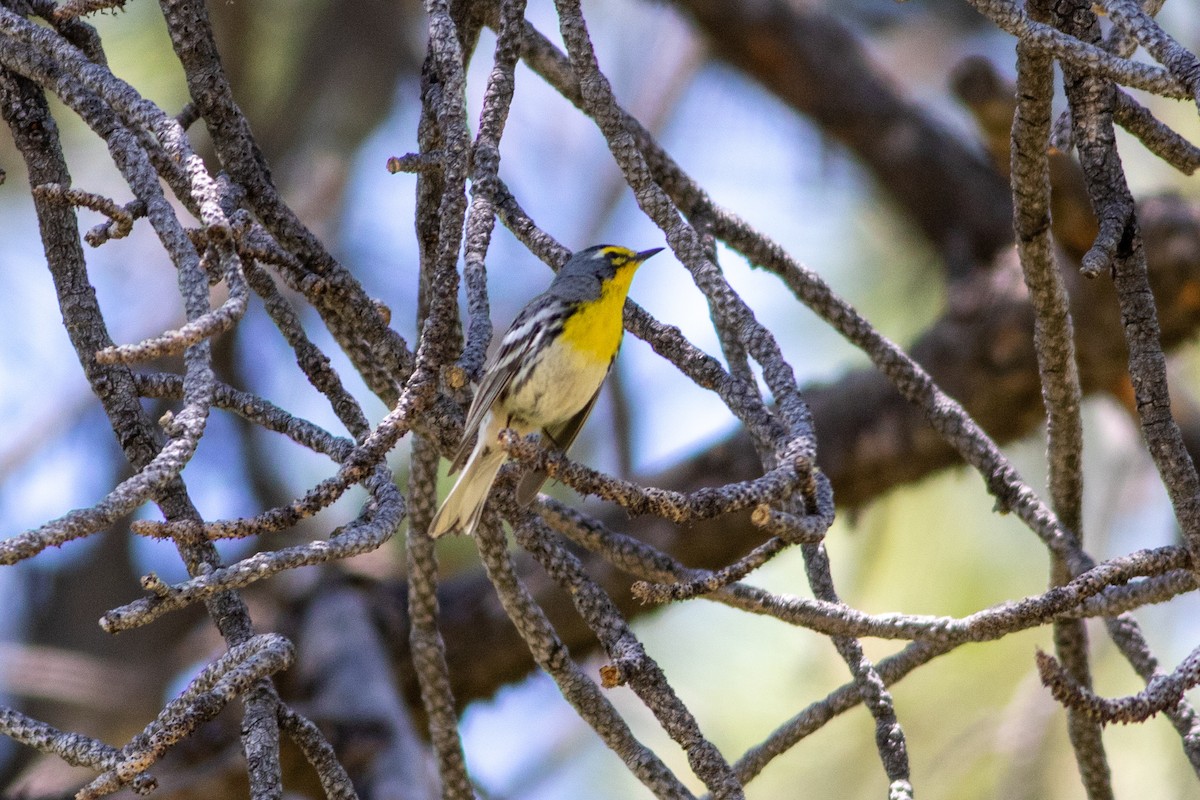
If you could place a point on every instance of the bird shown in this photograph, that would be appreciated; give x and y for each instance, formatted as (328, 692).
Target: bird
(544, 377)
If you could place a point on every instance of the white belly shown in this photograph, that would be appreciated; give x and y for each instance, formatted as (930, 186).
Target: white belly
(559, 390)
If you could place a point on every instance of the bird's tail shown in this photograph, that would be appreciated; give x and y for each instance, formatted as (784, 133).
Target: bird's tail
(461, 510)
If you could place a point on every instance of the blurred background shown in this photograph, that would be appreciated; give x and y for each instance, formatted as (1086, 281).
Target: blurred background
(331, 90)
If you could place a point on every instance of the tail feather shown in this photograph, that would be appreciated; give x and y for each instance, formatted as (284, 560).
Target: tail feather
(463, 507)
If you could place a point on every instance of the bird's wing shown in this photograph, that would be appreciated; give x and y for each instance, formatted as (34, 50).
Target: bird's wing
(497, 373)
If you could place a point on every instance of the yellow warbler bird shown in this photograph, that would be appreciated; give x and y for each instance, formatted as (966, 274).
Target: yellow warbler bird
(545, 376)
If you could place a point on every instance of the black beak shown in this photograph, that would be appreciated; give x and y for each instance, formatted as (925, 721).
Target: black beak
(642, 256)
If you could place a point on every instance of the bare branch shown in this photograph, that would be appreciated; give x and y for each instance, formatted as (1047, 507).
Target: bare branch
(1006, 355)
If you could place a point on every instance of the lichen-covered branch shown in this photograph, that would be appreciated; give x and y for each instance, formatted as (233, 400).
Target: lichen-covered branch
(241, 256)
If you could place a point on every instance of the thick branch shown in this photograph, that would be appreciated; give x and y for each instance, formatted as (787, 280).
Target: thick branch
(871, 440)
(812, 62)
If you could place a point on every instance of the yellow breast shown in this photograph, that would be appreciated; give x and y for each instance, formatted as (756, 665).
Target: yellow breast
(595, 330)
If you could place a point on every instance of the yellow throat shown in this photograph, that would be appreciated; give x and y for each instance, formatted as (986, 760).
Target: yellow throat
(596, 329)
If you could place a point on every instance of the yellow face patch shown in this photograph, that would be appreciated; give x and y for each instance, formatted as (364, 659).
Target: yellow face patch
(618, 256)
